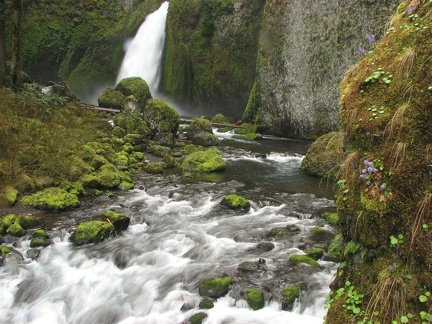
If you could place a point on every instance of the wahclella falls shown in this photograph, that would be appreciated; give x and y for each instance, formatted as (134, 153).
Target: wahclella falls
(224, 162)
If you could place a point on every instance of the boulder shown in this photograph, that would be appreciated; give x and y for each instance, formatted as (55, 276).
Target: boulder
(214, 287)
(8, 197)
(205, 139)
(204, 161)
(120, 221)
(255, 298)
(316, 253)
(106, 178)
(92, 232)
(16, 230)
(136, 87)
(200, 132)
(325, 156)
(53, 198)
(197, 318)
(112, 99)
(296, 259)
(265, 246)
(206, 304)
(161, 117)
(40, 238)
(236, 202)
(289, 295)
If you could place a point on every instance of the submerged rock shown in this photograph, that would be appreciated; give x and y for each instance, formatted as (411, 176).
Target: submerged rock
(197, 318)
(40, 238)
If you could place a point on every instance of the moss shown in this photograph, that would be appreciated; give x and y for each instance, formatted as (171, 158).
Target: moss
(315, 253)
(92, 232)
(137, 87)
(161, 117)
(220, 119)
(236, 202)
(119, 220)
(118, 132)
(112, 99)
(154, 168)
(206, 304)
(8, 197)
(39, 238)
(251, 113)
(289, 295)
(331, 218)
(255, 299)
(197, 318)
(51, 198)
(265, 246)
(126, 185)
(5, 250)
(204, 161)
(191, 148)
(249, 137)
(106, 178)
(296, 259)
(16, 230)
(214, 288)
(159, 150)
(205, 139)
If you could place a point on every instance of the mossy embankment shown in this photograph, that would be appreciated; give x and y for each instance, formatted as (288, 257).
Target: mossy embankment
(385, 195)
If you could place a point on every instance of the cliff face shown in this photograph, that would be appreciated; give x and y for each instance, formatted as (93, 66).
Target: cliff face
(210, 56)
(385, 197)
(305, 47)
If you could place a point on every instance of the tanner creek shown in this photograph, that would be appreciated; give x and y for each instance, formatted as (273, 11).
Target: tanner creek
(179, 234)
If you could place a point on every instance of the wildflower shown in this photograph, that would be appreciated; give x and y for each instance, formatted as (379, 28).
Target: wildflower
(368, 183)
(363, 176)
(371, 38)
(361, 50)
(364, 171)
(410, 10)
(391, 267)
(368, 163)
(383, 187)
(371, 170)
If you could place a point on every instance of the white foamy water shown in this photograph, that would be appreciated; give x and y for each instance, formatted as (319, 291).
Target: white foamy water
(144, 53)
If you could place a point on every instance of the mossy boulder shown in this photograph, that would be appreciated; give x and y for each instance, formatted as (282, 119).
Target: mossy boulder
(220, 119)
(297, 259)
(205, 139)
(154, 168)
(133, 123)
(206, 304)
(191, 148)
(4, 250)
(325, 156)
(316, 253)
(197, 318)
(200, 132)
(161, 117)
(159, 150)
(106, 178)
(92, 232)
(248, 266)
(16, 230)
(331, 218)
(8, 197)
(39, 239)
(52, 199)
(265, 246)
(120, 221)
(214, 287)
(236, 202)
(204, 161)
(112, 99)
(26, 222)
(136, 87)
(255, 298)
(289, 295)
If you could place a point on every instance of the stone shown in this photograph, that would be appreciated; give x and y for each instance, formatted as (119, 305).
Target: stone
(255, 298)
(265, 246)
(297, 259)
(53, 198)
(8, 197)
(136, 87)
(110, 98)
(161, 117)
(214, 287)
(120, 221)
(204, 161)
(206, 304)
(92, 232)
(315, 254)
(289, 295)
(236, 202)
(39, 239)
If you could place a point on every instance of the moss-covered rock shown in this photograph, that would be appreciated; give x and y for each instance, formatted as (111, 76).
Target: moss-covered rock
(16, 230)
(248, 266)
(206, 304)
(136, 87)
(8, 197)
(214, 287)
(92, 232)
(197, 318)
(265, 246)
(51, 199)
(204, 161)
(255, 298)
(296, 259)
(289, 295)
(205, 139)
(316, 253)
(191, 148)
(159, 150)
(120, 221)
(106, 178)
(325, 156)
(154, 168)
(236, 202)
(112, 99)
(4, 250)
(220, 119)
(26, 222)
(161, 117)
(199, 125)
(331, 218)
(39, 239)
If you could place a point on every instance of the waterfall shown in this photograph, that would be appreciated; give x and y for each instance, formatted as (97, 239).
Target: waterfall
(144, 53)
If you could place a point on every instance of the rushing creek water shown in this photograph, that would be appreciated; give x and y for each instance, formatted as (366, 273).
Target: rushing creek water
(180, 234)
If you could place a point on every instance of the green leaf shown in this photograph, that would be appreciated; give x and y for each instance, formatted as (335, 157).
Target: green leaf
(422, 298)
(404, 319)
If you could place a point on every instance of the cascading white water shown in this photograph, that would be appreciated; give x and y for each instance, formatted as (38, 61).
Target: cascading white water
(144, 53)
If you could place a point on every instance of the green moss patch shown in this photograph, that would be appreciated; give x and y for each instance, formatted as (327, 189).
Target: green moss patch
(296, 259)
(120, 221)
(236, 202)
(92, 232)
(255, 299)
(289, 295)
(214, 288)
(204, 161)
(51, 199)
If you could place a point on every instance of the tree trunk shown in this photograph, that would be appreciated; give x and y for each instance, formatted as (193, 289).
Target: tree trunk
(3, 57)
(16, 71)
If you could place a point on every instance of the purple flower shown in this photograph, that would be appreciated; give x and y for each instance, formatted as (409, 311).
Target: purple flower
(363, 176)
(368, 163)
(383, 187)
(371, 170)
(410, 10)
(391, 267)
(368, 183)
(371, 38)
(361, 50)
(364, 171)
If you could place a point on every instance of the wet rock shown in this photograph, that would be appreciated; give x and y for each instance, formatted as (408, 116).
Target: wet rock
(265, 246)
(197, 318)
(236, 202)
(154, 168)
(205, 139)
(206, 304)
(106, 178)
(289, 295)
(92, 232)
(33, 253)
(120, 221)
(110, 98)
(16, 230)
(8, 197)
(281, 231)
(161, 118)
(315, 254)
(298, 259)
(248, 266)
(40, 238)
(136, 87)
(255, 298)
(214, 287)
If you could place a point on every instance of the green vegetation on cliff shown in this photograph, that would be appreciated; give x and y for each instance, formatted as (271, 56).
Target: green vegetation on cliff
(384, 201)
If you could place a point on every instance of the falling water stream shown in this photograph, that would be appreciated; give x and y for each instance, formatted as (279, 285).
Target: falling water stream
(180, 234)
